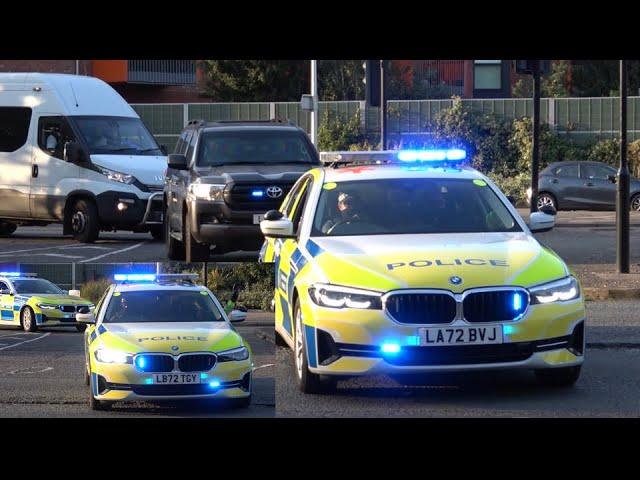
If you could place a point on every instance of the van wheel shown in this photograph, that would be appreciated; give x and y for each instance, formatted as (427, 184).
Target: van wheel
(28, 320)
(84, 221)
(157, 232)
(7, 229)
(194, 251)
(174, 248)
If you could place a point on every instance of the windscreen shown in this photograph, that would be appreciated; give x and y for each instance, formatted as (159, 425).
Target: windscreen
(36, 286)
(162, 306)
(116, 136)
(253, 147)
(418, 205)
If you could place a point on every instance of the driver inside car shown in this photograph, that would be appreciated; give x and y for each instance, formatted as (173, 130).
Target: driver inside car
(349, 211)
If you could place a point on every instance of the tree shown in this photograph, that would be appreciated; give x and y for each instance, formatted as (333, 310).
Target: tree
(601, 78)
(256, 80)
(556, 84)
(340, 80)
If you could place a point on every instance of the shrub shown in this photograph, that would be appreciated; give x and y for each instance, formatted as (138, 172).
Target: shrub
(335, 133)
(515, 185)
(93, 290)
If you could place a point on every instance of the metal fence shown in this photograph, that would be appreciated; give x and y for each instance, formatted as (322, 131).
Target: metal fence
(74, 275)
(584, 118)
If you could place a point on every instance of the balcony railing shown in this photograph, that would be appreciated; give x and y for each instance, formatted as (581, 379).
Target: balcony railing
(162, 72)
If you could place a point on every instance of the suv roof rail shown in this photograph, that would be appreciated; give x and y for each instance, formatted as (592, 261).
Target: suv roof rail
(212, 123)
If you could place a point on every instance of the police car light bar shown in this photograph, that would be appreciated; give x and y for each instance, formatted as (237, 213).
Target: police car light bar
(432, 156)
(134, 277)
(17, 274)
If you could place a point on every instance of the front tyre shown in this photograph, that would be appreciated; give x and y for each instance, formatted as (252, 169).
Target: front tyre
(308, 382)
(7, 229)
(84, 221)
(558, 377)
(635, 203)
(28, 320)
(546, 200)
(194, 251)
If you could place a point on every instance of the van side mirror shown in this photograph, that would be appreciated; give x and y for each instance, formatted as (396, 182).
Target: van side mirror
(75, 153)
(177, 161)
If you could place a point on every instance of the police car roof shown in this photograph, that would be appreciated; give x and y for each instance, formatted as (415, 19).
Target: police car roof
(390, 171)
(148, 286)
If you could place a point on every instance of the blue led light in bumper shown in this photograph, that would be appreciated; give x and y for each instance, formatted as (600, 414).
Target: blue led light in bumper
(518, 303)
(257, 193)
(214, 384)
(134, 277)
(437, 155)
(204, 376)
(508, 329)
(390, 348)
(149, 381)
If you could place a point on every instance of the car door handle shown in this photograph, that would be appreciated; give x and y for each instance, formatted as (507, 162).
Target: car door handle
(34, 171)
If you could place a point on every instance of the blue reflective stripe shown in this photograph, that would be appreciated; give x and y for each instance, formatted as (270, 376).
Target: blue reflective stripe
(310, 336)
(313, 248)
(16, 308)
(38, 319)
(101, 329)
(93, 336)
(7, 315)
(286, 318)
(94, 382)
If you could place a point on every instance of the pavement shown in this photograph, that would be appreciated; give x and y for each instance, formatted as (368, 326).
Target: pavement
(41, 375)
(608, 385)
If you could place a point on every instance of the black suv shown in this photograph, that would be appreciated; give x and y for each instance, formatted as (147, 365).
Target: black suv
(222, 179)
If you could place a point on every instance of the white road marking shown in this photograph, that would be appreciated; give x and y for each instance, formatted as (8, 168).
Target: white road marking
(30, 370)
(26, 341)
(263, 366)
(61, 255)
(29, 250)
(114, 252)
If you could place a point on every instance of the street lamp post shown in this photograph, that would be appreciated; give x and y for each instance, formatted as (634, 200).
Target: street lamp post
(535, 150)
(314, 94)
(383, 108)
(622, 205)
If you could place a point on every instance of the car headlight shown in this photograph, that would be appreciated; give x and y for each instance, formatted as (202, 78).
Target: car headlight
(107, 355)
(207, 191)
(47, 306)
(335, 296)
(556, 291)
(116, 176)
(235, 354)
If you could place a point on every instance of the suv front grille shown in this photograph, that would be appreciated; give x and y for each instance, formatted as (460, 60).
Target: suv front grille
(421, 307)
(240, 196)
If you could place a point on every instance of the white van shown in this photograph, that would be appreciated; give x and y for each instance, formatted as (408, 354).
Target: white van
(73, 151)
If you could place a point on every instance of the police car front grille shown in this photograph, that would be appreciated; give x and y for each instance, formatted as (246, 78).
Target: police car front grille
(240, 197)
(196, 363)
(155, 363)
(421, 308)
(492, 306)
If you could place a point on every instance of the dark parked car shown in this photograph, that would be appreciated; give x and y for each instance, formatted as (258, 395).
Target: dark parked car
(223, 178)
(582, 186)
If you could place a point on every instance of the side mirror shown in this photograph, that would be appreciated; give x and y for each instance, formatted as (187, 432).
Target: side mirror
(541, 222)
(177, 161)
(275, 225)
(612, 178)
(163, 149)
(237, 316)
(75, 153)
(87, 318)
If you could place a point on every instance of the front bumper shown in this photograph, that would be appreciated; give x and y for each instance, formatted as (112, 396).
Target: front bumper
(135, 213)
(117, 382)
(215, 223)
(348, 342)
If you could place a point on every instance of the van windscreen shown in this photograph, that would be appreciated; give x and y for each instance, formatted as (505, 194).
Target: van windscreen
(116, 135)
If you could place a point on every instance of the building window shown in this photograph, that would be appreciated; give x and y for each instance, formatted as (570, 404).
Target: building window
(487, 74)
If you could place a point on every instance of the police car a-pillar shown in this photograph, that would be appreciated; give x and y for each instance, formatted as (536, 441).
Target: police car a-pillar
(410, 262)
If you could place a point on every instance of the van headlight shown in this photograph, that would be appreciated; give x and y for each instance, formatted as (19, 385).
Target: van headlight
(556, 291)
(235, 354)
(207, 191)
(107, 355)
(116, 176)
(334, 296)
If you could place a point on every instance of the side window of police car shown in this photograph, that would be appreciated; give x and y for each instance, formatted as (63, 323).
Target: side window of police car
(296, 214)
(53, 134)
(4, 288)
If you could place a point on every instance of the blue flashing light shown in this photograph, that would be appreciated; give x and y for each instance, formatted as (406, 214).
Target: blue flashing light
(140, 362)
(390, 348)
(149, 381)
(10, 274)
(517, 301)
(508, 329)
(257, 193)
(214, 384)
(413, 340)
(432, 155)
(134, 277)
(204, 376)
